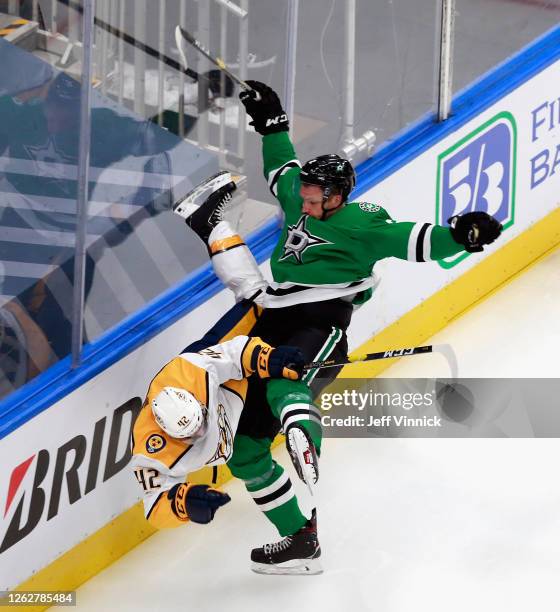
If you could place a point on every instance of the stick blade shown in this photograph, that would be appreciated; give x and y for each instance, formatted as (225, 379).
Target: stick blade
(187, 35)
(180, 42)
(447, 351)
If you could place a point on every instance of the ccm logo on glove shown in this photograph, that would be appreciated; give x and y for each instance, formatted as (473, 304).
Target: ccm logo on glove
(266, 112)
(276, 120)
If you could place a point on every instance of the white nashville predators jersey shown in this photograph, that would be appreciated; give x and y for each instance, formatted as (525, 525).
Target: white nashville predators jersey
(216, 377)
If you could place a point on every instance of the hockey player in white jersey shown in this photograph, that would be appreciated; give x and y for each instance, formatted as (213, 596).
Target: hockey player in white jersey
(189, 419)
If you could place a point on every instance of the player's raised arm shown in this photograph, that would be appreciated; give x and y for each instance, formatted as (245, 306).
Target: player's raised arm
(280, 162)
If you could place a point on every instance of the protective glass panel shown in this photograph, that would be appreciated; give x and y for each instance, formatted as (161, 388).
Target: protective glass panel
(138, 66)
(390, 56)
(39, 147)
(363, 72)
(139, 167)
(487, 33)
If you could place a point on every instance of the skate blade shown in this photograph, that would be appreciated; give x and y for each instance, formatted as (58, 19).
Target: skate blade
(299, 442)
(192, 201)
(304, 567)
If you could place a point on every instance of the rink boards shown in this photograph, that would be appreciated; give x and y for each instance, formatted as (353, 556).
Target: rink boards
(505, 161)
(70, 504)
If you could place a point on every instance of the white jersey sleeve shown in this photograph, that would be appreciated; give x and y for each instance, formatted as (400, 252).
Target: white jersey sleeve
(226, 361)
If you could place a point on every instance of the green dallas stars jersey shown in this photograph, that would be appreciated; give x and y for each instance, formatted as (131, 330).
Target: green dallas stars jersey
(319, 260)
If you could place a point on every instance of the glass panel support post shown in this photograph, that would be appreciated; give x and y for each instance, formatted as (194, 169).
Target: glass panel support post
(83, 183)
(291, 60)
(445, 79)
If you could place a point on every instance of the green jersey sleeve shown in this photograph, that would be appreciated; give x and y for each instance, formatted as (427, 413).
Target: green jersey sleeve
(281, 170)
(379, 236)
(414, 241)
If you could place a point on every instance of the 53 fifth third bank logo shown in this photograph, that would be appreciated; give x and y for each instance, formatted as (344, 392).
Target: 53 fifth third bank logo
(478, 173)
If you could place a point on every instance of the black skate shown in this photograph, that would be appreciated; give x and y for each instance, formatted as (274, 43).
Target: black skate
(203, 207)
(303, 455)
(295, 554)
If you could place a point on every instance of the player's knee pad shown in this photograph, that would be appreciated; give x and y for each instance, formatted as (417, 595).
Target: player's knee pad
(257, 482)
(292, 403)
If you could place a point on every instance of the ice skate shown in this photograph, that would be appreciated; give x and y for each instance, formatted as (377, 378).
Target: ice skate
(203, 207)
(303, 455)
(295, 554)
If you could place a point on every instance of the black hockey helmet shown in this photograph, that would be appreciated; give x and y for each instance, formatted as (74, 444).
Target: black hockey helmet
(329, 171)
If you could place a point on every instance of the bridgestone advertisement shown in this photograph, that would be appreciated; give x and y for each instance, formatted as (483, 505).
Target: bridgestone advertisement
(65, 471)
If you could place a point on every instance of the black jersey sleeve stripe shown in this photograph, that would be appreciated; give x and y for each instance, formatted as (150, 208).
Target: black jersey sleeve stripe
(297, 288)
(241, 356)
(207, 385)
(420, 242)
(154, 504)
(276, 174)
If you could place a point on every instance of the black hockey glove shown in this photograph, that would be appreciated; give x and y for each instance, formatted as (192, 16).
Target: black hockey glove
(474, 229)
(196, 502)
(267, 114)
(280, 362)
(286, 362)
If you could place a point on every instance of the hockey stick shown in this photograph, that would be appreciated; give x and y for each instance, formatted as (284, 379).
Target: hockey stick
(130, 40)
(182, 34)
(444, 349)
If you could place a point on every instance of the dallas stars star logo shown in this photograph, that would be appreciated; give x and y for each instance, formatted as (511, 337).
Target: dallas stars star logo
(50, 161)
(300, 239)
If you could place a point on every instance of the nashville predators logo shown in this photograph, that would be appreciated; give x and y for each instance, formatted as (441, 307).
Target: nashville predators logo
(300, 239)
(155, 443)
(225, 440)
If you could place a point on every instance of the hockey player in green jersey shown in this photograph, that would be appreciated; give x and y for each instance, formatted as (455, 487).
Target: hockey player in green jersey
(322, 267)
(329, 246)
(323, 263)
